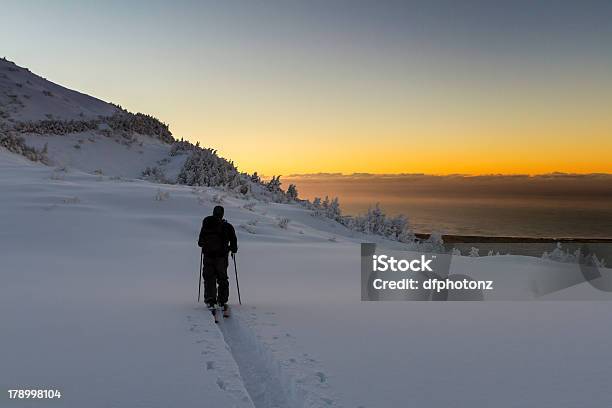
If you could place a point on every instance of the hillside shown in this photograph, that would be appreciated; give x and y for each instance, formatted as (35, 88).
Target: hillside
(79, 131)
(27, 97)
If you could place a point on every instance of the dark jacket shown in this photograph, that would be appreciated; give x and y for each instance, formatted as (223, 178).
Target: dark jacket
(225, 232)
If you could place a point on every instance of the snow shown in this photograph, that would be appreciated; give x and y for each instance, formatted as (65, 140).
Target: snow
(29, 97)
(95, 149)
(98, 299)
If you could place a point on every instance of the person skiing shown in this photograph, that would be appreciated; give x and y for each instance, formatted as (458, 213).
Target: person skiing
(217, 238)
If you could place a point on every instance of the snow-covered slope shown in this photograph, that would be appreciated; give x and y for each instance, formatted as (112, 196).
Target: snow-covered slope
(79, 131)
(94, 152)
(98, 299)
(25, 96)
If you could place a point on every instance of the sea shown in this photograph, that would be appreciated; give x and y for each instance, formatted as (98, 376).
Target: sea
(557, 206)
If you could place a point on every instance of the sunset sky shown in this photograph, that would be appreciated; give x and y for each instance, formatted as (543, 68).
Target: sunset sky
(344, 86)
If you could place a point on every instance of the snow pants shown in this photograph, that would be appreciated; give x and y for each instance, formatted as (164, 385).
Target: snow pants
(215, 273)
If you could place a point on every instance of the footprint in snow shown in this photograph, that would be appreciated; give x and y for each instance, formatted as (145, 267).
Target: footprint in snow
(322, 376)
(221, 384)
(210, 365)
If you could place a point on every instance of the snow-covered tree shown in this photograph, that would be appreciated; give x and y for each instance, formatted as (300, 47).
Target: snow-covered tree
(559, 255)
(274, 185)
(333, 209)
(205, 168)
(376, 222)
(292, 192)
(155, 174)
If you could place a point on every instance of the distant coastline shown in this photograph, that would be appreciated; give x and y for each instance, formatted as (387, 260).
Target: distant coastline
(526, 246)
(467, 239)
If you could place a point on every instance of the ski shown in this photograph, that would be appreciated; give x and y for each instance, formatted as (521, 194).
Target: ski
(216, 311)
(213, 311)
(226, 311)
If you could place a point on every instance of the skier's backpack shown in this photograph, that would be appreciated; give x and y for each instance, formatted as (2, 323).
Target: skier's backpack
(211, 239)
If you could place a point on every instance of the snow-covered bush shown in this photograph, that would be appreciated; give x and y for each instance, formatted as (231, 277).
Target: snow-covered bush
(474, 252)
(56, 127)
(456, 252)
(123, 123)
(183, 147)
(139, 123)
(374, 221)
(327, 208)
(205, 168)
(561, 255)
(283, 222)
(272, 190)
(596, 262)
(434, 243)
(16, 144)
(155, 174)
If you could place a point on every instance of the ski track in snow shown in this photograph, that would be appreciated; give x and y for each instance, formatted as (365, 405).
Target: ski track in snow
(272, 370)
(217, 364)
(275, 374)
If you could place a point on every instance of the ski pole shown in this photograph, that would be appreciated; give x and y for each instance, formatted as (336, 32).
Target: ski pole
(236, 270)
(200, 281)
